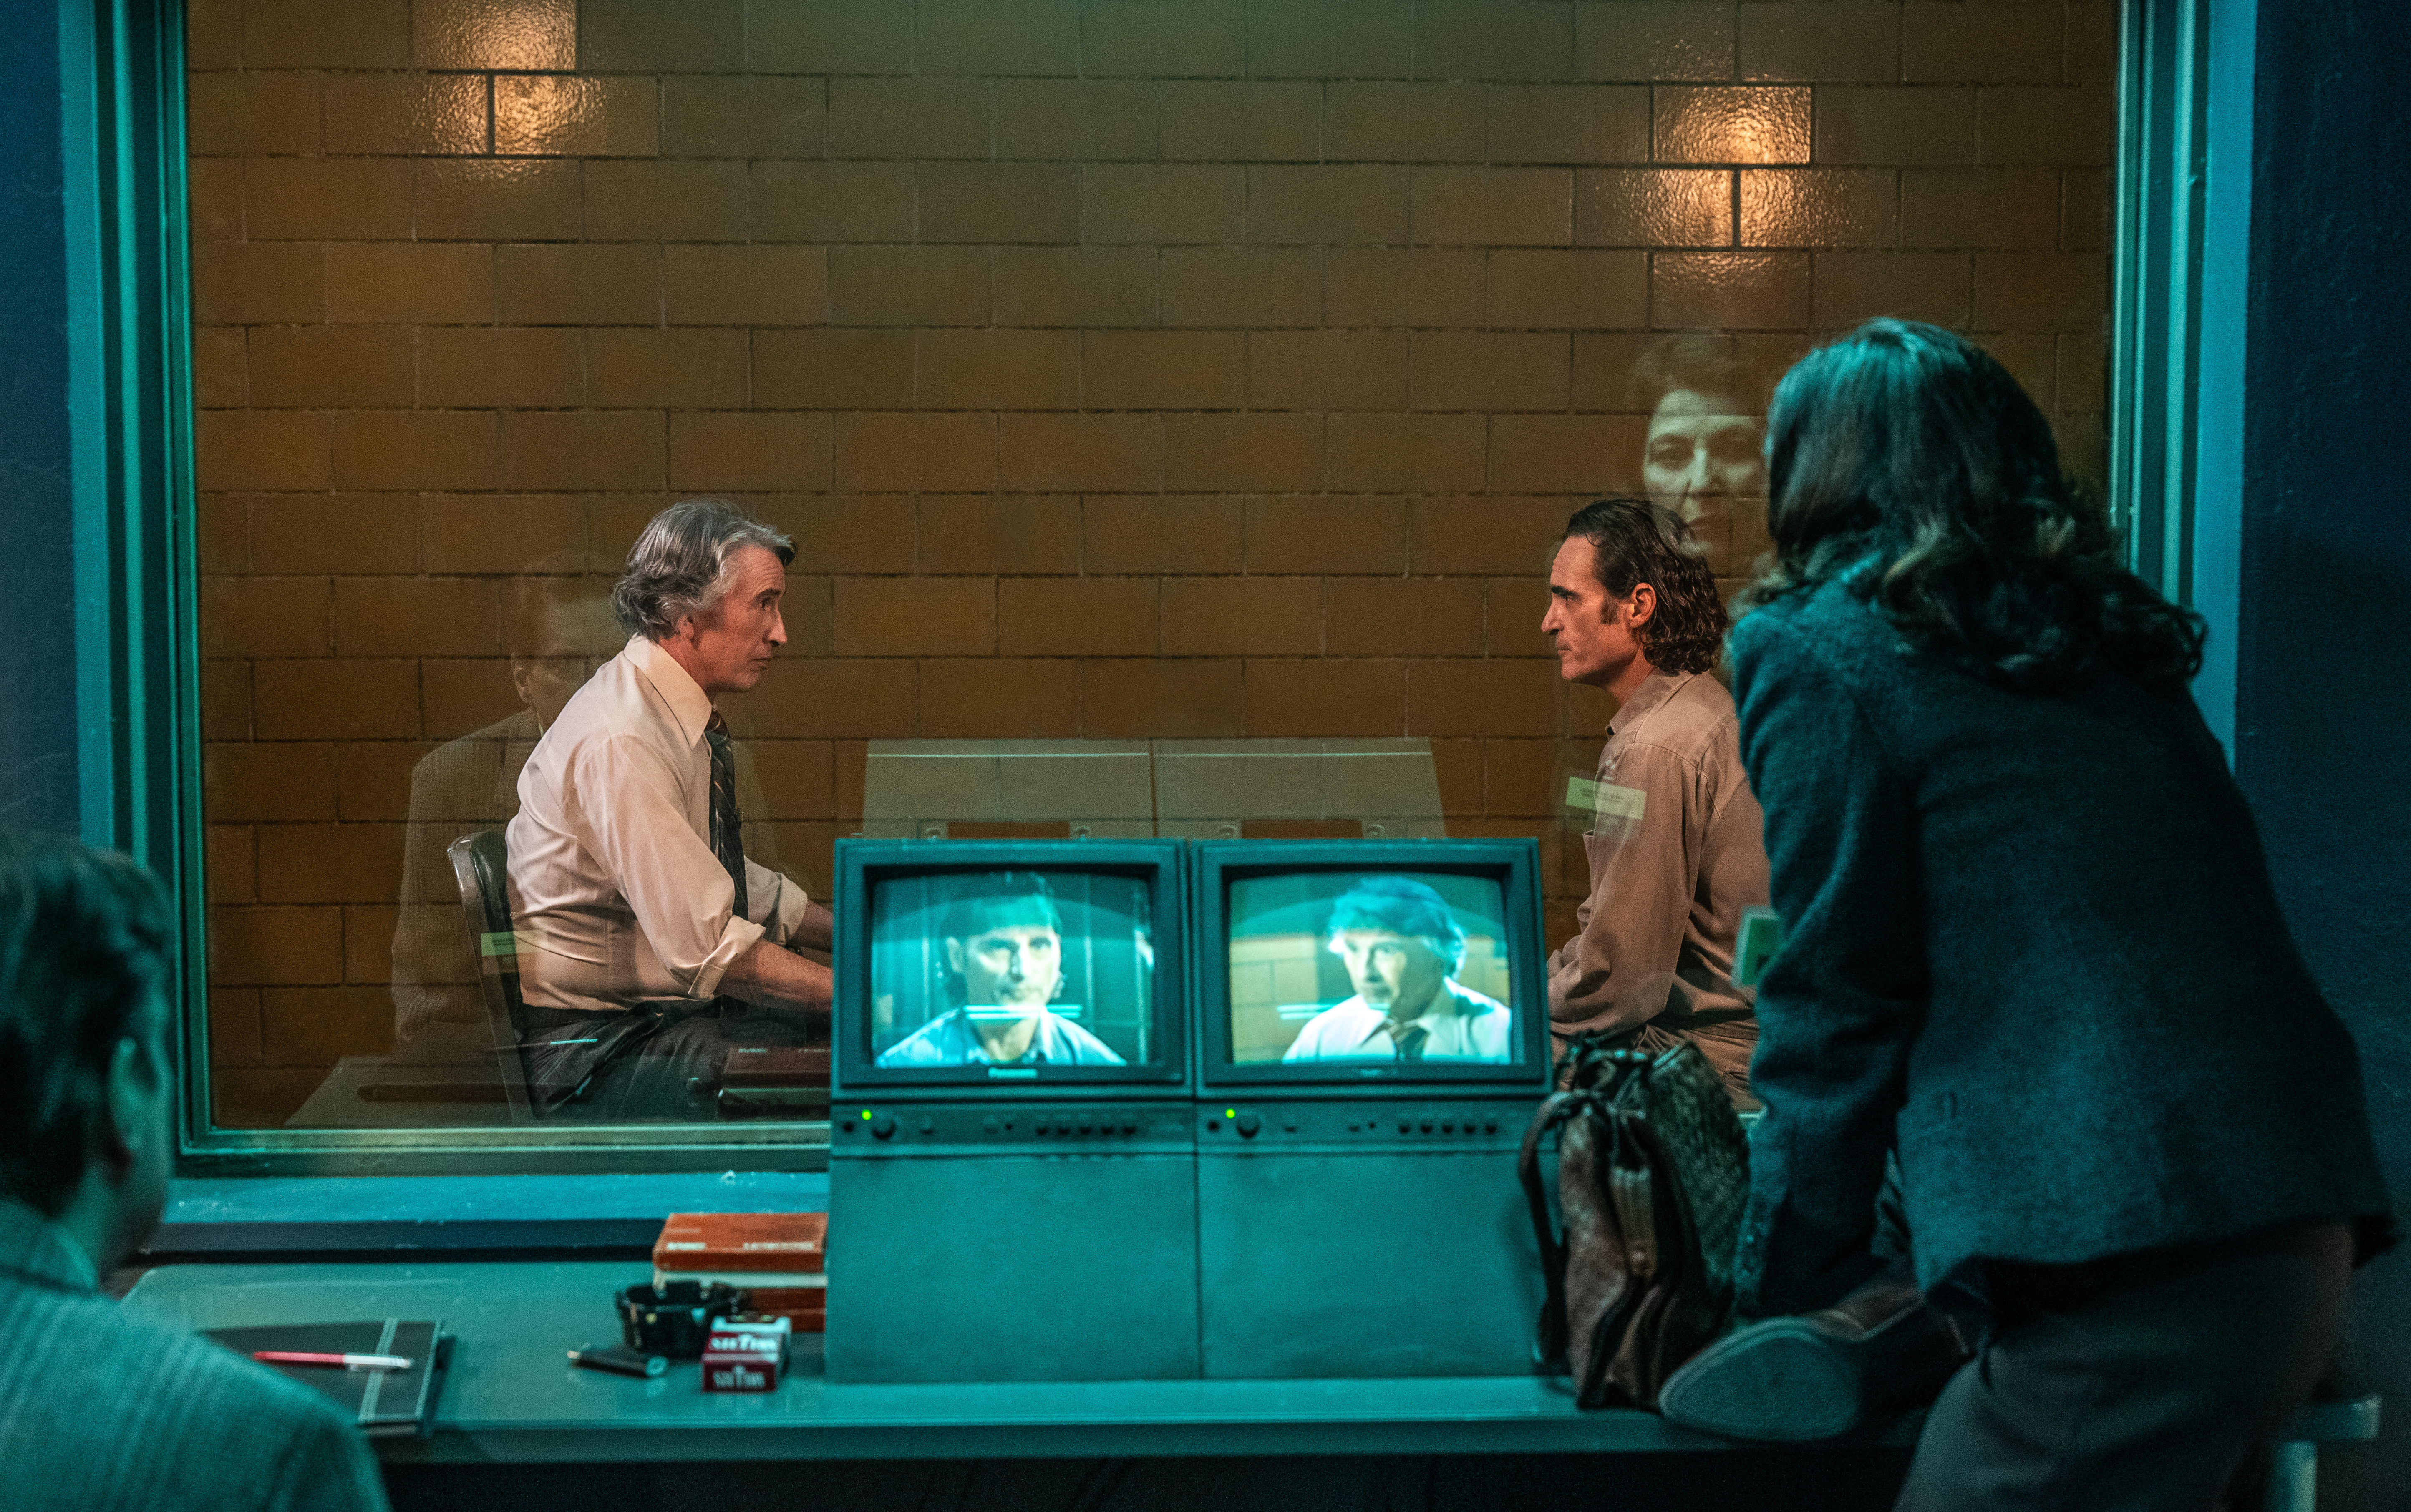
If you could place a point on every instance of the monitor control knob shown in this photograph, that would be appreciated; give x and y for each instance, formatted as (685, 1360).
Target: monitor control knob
(1248, 1125)
(882, 1127)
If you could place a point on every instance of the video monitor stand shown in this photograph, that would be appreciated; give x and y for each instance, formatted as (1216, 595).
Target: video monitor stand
(994, 1241)
(1365, 1238)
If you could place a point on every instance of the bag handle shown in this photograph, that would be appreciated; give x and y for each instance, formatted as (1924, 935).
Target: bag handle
(1550, 1346)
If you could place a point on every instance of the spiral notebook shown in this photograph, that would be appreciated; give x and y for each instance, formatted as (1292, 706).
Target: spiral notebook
(386, 1403)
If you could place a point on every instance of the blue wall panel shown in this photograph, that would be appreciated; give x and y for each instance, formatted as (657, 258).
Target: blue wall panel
(2323, 692)
(37, 689)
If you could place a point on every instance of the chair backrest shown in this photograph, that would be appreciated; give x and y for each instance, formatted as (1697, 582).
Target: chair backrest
(481, 867)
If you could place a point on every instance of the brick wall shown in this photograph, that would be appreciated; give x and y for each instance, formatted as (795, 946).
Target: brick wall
(1123, 368)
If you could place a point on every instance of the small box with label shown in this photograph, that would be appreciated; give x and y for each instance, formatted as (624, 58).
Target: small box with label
(746, 1355)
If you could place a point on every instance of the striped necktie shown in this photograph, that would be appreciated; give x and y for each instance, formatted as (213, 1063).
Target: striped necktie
(1410, 1042)
(728, 837)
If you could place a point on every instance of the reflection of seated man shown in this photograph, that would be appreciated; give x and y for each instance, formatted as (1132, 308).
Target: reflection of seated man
(1402, 947)
(649, 945)
(557, 629)
(1004, 944)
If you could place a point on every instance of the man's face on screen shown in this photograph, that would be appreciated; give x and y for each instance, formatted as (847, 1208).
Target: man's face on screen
(1395, 973)
(1011, 965)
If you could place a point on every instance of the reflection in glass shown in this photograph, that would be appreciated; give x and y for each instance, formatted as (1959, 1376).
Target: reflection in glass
(1378, 968)
(1702, 459)
(1010, 969)
(558, 629)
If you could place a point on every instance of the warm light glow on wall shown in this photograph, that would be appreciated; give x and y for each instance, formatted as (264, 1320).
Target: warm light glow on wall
(495, 33)
(1732, 125)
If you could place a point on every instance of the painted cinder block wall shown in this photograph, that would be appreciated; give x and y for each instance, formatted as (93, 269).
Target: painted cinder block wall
(1123, 369)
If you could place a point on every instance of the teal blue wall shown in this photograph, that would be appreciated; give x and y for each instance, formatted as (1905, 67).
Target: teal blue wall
(2323, 663)
(37, 690)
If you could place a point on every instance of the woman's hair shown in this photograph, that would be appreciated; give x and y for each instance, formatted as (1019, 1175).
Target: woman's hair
(1710, 365)
(1908, 449)
(674, 569)
(1635, 541)
(86, 942)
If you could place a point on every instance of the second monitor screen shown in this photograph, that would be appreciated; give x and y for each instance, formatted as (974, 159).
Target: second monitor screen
(1023, 968)
(1368, 967)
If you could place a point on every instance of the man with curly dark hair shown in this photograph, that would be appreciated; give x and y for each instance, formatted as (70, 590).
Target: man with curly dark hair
(1673, 830)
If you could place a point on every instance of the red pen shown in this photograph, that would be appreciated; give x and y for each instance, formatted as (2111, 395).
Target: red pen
(358, 1362)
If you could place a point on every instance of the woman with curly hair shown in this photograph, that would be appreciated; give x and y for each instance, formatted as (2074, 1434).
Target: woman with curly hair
(2031, 946)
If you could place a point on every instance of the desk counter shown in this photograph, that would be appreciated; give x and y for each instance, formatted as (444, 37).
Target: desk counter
(512, 1395)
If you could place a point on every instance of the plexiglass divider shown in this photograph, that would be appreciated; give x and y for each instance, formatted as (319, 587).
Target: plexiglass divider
(1318, 789)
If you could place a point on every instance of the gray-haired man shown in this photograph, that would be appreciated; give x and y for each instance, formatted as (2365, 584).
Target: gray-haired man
(649, 945)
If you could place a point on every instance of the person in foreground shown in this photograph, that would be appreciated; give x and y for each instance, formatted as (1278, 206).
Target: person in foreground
(1673, 839)
(649, 945)
(2031, 935)
(1003, 942)
(100, 1409)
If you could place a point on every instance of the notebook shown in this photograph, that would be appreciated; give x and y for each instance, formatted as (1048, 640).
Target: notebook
(386, 1403)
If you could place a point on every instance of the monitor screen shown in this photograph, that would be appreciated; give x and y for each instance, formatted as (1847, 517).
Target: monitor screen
(1382, 966)
(1350, 970)
(1012, 967)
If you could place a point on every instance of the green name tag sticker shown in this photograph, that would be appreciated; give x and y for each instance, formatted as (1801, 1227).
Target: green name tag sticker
(1587, 795)
(1762, 936)
(505, 943)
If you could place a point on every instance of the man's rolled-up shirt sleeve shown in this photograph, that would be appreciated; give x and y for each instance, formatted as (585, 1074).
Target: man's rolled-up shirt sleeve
(1843, 1001)
(1617, 972)
(681, 896)
(775, 901)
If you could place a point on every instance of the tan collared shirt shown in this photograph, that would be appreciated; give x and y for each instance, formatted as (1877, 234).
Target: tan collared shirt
(1675, 856)
(616, 894)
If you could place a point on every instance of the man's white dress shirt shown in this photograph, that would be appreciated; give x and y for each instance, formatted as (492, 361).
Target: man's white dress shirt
(1459, 1025)
(616, 894)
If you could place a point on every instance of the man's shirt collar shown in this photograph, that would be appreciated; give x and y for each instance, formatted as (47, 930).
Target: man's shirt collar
(689, 705)
(1654, 690)
(32, 1246)
(1445, 1004)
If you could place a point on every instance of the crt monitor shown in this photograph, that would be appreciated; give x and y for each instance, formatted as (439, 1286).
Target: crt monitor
(1370, 965)
(1000, 968)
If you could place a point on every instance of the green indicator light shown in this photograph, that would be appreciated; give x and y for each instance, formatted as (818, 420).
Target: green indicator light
(1229, 1113)
(866, 1112)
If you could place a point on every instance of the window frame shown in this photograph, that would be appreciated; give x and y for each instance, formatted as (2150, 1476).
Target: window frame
(136, 611)
(2182, 252)
(2175, 364)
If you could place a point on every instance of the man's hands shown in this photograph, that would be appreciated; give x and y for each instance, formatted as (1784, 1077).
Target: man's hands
(776, 977)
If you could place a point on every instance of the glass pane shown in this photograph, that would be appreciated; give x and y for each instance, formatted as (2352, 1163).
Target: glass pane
(1205, 381)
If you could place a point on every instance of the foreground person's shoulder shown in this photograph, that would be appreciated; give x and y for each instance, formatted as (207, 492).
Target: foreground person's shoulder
(250, 1431)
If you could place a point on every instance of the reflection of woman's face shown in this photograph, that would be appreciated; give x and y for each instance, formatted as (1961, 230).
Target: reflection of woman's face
(1702, 454)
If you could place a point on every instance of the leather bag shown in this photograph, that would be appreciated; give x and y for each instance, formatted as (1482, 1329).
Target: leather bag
(1653, 1172)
